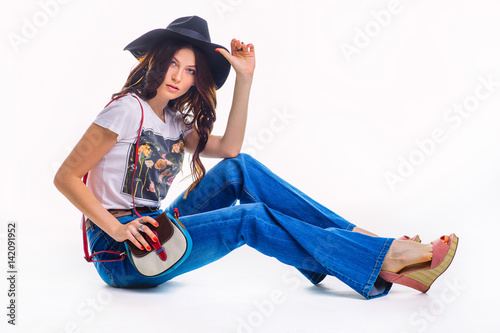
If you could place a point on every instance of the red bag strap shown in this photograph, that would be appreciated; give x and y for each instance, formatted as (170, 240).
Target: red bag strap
(89, 257)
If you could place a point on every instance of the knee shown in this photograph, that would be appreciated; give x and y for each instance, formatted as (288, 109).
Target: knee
(239, 168)
(236, 162)
(243, 159)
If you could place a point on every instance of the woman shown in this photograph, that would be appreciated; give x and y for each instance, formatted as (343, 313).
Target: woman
(175, 81)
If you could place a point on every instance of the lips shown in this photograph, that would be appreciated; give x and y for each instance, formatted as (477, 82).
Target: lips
(172, 88)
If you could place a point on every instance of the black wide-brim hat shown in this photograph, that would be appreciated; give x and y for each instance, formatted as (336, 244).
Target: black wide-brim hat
(194, 30)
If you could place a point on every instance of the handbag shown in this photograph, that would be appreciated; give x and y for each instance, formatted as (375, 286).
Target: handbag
(174, 242)
(172, 248)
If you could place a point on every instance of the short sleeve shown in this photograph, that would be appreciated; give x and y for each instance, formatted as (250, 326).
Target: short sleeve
(122, 117)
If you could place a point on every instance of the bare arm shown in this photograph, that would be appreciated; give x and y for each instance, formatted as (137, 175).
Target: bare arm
(242, 59)
(94, 144)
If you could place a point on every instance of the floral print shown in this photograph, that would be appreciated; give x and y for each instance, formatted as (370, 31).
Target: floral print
(158, 163)
(144, 150)
(178, 147)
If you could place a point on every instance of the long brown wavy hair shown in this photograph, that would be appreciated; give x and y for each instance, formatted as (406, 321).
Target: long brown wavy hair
(197, 105)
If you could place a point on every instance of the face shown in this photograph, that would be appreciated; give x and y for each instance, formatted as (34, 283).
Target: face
(180, 75)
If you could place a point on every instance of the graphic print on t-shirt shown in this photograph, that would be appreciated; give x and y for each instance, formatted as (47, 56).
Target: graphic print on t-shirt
(158, 162)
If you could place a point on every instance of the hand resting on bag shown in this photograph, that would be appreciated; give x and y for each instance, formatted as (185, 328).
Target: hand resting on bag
(131, 232)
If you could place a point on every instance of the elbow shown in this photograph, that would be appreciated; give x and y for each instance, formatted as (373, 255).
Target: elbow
(60, 180)
(232, 153)
(228, 148)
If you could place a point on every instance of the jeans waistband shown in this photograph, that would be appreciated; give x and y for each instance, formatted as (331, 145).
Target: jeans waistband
(124, 212)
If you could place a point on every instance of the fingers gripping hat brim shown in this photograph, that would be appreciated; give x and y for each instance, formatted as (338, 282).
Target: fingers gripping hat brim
(219, 66)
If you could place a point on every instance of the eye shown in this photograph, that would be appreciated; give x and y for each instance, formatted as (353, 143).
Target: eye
(191, 71)
(172, 63)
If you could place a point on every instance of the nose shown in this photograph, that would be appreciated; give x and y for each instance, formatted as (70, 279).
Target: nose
(176, 75)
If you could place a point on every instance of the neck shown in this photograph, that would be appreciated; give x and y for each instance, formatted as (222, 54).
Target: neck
(158, 105)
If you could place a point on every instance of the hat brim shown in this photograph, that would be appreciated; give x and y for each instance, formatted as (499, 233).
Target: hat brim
(219, 66)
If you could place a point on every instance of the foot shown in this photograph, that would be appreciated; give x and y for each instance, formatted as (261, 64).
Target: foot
(415, 238)
(402, 254)
(364, 232)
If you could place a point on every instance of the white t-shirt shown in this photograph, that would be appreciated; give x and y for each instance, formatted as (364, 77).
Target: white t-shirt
(161, 151)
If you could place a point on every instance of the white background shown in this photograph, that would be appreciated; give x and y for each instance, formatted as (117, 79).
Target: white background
(333, 124)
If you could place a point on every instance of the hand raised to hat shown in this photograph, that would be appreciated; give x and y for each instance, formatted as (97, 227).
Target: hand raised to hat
(241, 58)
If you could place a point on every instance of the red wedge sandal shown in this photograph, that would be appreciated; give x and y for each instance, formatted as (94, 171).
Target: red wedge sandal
(443, 252)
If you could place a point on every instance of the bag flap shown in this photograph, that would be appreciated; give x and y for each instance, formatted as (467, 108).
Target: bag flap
(165, 230)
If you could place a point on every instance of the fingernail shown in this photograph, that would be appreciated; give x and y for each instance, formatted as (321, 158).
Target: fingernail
(142, 247)
(156, 224)
(155, 239)
(149, 249)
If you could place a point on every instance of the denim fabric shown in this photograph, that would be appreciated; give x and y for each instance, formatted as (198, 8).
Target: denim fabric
(273, 217)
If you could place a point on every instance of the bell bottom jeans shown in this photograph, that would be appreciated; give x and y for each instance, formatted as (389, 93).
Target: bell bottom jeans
(273, 217)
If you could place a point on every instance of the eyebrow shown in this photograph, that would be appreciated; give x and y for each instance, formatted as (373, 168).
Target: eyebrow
(174, 58)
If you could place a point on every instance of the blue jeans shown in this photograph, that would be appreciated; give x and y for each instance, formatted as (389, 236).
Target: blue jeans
(273, 217)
